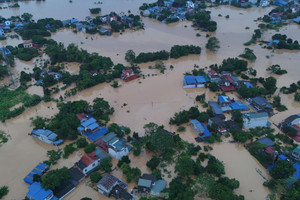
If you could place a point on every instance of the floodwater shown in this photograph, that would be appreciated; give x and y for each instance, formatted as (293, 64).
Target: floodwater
(153, 99)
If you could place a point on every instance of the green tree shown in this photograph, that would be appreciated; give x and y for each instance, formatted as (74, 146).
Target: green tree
(236, 116)
(214, 166)
(26, 17)
(270, 85)
(102, 109)
(283, 169)
(95, 177)
(55, 178)
(106, 165)
(81, 142)
(231, 183)
(213, 87)
(248, 54)
(297, 96)
(90, 148)
(213, 44)
(124, 159)
(184, 165)
(3, 191)
(153, 163)
(130, 56)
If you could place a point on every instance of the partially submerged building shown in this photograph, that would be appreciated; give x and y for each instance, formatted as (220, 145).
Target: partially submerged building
(260, 104)
(200, 129)
(253, 120)
(46, 136)
(189, 82)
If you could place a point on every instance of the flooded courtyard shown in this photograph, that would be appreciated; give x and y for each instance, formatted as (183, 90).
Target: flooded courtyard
(153, 99)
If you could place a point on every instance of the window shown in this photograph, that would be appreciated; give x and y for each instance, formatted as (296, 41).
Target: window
(94, 165)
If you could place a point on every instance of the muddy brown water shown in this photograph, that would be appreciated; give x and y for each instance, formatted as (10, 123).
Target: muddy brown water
(153, 99)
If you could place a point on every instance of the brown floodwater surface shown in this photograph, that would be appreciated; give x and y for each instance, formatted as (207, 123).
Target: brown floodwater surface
(153, 99)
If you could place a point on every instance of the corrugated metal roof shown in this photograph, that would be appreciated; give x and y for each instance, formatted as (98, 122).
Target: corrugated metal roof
(189, 80)
(144, 183)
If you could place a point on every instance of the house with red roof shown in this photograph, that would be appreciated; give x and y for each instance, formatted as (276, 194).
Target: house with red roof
(128, 75)
(90, 161)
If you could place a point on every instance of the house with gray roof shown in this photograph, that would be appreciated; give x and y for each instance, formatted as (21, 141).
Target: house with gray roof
(46, 136)
(253, 120)
(260, 104)
(106, 184)
(146, 182)
(296, 153)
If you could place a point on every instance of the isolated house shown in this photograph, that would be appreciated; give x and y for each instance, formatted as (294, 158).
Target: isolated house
(28, 44)
(200, 129)
(46, 136)
(253, 120)
(189, 82)
(128, 75)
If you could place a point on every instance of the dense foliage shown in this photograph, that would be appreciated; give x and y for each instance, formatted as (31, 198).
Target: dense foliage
(55, 178)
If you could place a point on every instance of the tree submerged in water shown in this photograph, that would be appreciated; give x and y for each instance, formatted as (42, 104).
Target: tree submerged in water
(213, 44)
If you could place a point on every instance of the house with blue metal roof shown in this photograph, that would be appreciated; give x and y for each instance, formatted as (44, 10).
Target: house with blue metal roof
(2, 34)
(253, 120)
(200, 129)
(5, 51)
(36, 192)
(280, 3)
(238, 105)
(216, 108)
(200, 81)
(189, 82)
(297, 20)
(46, 136)
(39, 169)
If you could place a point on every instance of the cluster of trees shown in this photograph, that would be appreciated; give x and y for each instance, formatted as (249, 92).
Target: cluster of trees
(55, 178)
(3, 71)
(184, 50)
(65, 123)
(277, 104)
(25, 54)
(276, 69)
(231, 64)
(131, 173)
(283, 169)
(256, 35)
(291, 89)
(285, 43)
(292, 192)
(203, 20)
(70, 148)
(248, 54)
(120, 131)
(3, 191)
(257, 151)
(213, 44)
(10, 98)
(175, 52)
(185, 115)
(95, 10)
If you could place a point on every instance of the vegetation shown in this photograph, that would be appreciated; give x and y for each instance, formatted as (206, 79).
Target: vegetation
(185, 115)
(184, 50)
(3, 137)
(297, 96)
(106, 165)
(153, 163)
(285, 43)
(292, 192)
(55, 178)
(3, 71)
(276, 69)
(214, 87)
(95, 10)
(152, 56)
(10, 98)
(91, 147)
(248, 54)
(95, 177)
(282, 170)
(213, 44)
(124, 159)
(102, 109)
(277, 104)
(203, 20)
(231, 64)
(131, 173)
(270, 85)
(3, 191)
(53, 156)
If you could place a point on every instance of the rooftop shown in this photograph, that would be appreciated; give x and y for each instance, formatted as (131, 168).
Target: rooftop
(109, 137)
(37, 192)
(189, 80)
(108, 182)
(144, 183)
(158, 187)
(215, 107)
(255, 115)
(88, 122)
(88, 159)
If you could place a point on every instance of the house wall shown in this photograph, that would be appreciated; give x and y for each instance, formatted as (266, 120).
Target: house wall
(118, 155)
(255, 122)
(90, 167)
(200, 85)
(103, 191)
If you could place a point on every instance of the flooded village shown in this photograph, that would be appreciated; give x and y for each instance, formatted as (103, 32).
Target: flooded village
(134, 102)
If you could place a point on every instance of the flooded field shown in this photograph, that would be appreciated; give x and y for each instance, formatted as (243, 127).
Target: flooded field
(153, 99)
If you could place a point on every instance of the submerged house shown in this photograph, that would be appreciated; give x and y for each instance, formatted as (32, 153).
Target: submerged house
(296, 153)
(128, 75)
(146, 182)
(260, 104)
(46, 136)
(200, 129)
(36, 192)
(200, 81)
(90, 161)
(109, 185)
(216, 108)
(90, 128)
(253, 120)
(189, 82)
(114, 145)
